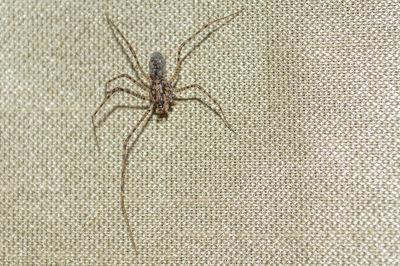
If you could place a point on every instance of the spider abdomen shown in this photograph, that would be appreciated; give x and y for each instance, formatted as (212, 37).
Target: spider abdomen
(162, 94)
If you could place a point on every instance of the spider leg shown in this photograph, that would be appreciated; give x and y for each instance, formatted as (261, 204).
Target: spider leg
(176, 90)
(130, 48)
(178, 63)
(141, 85)
(122, 193)
(106, 98)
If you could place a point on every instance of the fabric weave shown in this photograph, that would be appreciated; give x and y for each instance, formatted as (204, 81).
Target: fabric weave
(310, 177)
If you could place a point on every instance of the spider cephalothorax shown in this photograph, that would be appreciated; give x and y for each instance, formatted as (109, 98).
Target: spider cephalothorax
(161, 94)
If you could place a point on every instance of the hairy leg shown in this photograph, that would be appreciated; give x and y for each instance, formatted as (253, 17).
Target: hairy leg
(122, 192)
(176, 90)
(141, 85)
(115, 90)
(178, 63)
(130, 48)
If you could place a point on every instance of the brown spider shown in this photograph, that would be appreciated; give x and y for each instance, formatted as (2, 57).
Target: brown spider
(161, 96)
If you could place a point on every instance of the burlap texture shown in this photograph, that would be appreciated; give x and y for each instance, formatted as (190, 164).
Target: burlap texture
(311, 175)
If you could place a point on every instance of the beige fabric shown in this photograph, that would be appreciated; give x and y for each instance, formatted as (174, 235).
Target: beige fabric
(311, 175)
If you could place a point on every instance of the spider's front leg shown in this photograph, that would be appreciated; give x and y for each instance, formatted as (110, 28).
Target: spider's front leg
(130, 48)
(179, 60)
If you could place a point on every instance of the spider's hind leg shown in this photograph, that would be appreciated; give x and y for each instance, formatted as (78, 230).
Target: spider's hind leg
(122, 192)
(209, 96)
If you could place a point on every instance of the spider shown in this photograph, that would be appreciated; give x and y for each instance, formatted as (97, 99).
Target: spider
(161, 96)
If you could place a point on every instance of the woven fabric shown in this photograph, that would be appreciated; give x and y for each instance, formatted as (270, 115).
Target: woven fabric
(311, 174)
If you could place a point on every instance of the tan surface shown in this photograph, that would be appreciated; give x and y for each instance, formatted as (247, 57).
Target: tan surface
(312, 175)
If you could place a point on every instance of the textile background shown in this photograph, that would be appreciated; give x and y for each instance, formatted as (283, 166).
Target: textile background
(311, 174)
